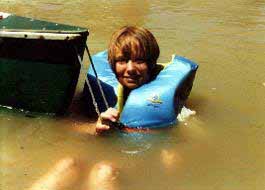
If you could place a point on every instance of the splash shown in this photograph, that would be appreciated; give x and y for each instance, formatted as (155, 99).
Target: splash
(185, 114)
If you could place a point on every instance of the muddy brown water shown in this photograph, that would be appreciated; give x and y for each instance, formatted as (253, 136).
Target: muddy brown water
(220, 148)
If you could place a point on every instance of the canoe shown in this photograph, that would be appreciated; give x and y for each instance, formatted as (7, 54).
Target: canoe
(39, 68)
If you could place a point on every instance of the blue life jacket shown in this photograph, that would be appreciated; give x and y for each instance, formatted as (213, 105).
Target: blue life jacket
(152, 105)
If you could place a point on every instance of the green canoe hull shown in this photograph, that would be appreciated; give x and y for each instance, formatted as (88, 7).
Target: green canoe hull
(39, 71)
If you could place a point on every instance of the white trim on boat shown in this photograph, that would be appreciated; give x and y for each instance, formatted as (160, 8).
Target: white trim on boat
(4, 15)
(39, 35)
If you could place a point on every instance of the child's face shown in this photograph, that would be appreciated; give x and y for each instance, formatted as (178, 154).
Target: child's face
(132, 74)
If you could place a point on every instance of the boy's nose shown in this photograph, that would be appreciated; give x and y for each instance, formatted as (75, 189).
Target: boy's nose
(130, 65)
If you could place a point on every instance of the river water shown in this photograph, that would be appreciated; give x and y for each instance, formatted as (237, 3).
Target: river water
(220, 148)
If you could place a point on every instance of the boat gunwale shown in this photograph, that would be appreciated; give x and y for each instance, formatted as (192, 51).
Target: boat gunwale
(42, 34)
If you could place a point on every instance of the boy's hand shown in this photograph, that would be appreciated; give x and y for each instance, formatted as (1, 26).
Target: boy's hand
(105, 119)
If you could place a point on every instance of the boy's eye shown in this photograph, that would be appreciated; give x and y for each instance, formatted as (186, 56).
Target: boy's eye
(140, 61)
(125, 61)
(121, 60)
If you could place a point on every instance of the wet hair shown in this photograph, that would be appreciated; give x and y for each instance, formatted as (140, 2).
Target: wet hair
(133, 43)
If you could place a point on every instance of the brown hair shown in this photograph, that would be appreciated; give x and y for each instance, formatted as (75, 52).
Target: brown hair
(131, 43)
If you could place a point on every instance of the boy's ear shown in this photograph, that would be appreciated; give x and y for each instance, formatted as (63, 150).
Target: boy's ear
(112, 65)
(152, 66)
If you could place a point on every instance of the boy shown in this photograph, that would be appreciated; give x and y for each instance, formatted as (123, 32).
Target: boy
(132, 53)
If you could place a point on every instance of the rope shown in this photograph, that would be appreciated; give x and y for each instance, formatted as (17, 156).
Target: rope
(99, 85)
(116, 124)
(88, 84)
